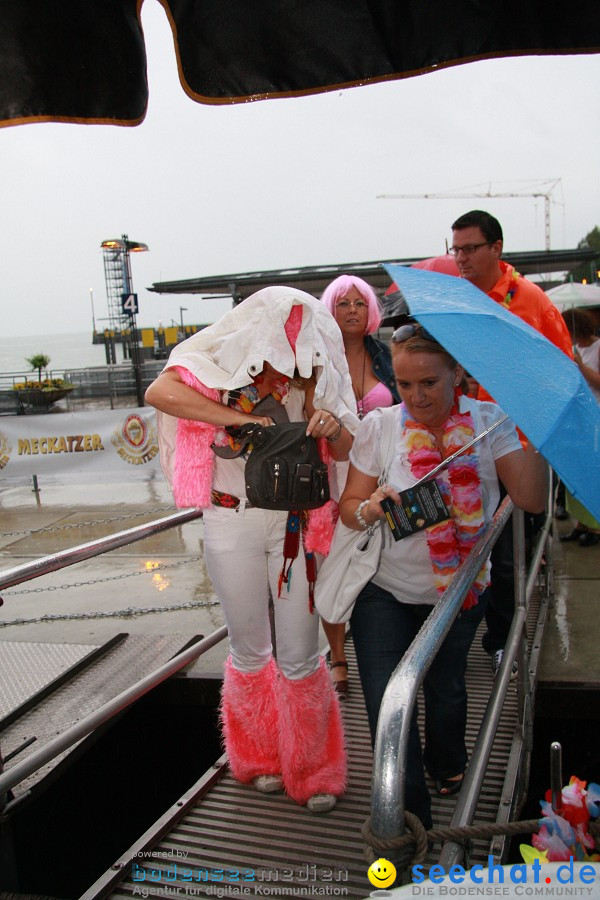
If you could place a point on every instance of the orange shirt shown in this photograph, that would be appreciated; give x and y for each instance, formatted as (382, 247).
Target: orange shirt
(526, 300)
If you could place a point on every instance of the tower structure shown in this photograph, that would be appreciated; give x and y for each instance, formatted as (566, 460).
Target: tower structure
(116, 276)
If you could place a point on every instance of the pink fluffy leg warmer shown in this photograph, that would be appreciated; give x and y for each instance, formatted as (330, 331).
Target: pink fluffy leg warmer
(313, 755)
(250, 722)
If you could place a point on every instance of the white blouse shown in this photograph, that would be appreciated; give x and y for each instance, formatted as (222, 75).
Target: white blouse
(405, 567)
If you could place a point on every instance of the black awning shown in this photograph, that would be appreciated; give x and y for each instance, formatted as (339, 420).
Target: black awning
(85, 60)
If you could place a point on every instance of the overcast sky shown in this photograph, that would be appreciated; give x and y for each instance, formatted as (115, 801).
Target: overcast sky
(284, 183)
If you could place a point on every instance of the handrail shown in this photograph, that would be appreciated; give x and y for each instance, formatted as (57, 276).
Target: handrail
(389, 765)
(73, 555)
(467, 800)
(452, 853)
(86, 725)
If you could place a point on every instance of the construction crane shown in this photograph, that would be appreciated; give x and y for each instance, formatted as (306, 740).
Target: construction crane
(549, 186)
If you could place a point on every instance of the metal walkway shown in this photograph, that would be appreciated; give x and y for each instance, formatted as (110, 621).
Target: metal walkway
(225, 835)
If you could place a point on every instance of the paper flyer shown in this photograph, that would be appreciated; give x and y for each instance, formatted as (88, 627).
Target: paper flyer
(419, 507)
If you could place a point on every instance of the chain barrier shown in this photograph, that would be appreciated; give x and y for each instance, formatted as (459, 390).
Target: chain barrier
(415, 842)
(122, 518)
(62, 587)
(130, 612)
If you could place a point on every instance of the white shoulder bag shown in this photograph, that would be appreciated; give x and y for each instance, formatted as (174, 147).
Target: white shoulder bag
(354, 555)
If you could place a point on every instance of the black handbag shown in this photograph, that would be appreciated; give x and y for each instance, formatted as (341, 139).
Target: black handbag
(283, 469)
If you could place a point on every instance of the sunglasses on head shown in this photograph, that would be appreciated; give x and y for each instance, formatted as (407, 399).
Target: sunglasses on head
(404, 332)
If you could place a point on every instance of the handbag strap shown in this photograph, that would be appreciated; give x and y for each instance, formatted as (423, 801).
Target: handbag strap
(388, 434)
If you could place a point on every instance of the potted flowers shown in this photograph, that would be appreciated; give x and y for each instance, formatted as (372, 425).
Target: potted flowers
(44, 391)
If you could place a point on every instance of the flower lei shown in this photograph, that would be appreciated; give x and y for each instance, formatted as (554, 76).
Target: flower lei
(450, 542)
(512, 289)
(564, 833)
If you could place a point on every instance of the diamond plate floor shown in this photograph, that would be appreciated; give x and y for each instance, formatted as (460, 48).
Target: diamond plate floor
(119, 668)
(26, 668)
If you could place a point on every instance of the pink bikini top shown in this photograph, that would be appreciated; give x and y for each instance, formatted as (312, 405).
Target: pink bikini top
(380, 395)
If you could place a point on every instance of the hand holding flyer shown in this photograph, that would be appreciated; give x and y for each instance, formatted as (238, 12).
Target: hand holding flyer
(420, 506)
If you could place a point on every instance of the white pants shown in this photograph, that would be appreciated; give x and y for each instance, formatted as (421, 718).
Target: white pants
(243, 550)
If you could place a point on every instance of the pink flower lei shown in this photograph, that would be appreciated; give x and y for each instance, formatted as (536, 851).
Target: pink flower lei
(450, 542)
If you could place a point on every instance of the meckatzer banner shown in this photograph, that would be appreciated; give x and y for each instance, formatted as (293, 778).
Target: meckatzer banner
(119, 441)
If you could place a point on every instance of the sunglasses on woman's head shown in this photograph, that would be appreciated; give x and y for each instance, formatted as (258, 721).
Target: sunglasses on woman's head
(404, 332)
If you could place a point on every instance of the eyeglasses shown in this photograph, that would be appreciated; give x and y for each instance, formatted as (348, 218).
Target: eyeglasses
(348, 304)
(404, 332)
(468, 249)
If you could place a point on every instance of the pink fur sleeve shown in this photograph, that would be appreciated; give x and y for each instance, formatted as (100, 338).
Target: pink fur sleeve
(193, 465)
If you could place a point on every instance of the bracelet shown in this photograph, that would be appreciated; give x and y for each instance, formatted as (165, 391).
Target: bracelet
(360, 518)
(335, 437)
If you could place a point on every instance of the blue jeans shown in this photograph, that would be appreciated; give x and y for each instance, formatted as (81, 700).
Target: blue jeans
(382, 631)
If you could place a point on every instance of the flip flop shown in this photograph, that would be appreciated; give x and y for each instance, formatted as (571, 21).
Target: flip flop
(341, 686)
(445, 786)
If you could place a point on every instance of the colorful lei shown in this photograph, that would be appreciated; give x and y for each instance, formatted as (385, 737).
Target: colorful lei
(564, 832)
(512, 289)
(450, 542)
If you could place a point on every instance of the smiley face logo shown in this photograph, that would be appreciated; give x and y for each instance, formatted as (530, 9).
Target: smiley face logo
(382, 873)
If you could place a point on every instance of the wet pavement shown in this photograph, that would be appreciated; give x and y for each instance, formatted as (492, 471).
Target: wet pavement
(570, 654)
(155, 586)
(160, 586)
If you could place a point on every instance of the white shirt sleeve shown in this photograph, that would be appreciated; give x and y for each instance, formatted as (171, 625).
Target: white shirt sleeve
(503, 439)
(365, 454)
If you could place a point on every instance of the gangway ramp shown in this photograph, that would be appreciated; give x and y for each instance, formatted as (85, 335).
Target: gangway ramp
(221, 829)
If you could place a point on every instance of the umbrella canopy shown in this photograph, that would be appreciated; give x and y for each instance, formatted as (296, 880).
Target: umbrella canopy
(540, 388)
(573, 293)
(85, 60)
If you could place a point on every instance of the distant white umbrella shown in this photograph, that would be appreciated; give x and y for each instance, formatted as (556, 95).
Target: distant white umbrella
(573, 293)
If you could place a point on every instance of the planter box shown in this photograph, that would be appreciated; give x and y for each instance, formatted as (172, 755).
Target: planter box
(38, 397)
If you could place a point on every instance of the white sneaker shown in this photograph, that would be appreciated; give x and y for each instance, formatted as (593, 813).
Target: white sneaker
(497, 662)
(321, 803)
(268, 784)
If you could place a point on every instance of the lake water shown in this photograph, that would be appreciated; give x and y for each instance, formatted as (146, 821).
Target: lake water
(66, 351)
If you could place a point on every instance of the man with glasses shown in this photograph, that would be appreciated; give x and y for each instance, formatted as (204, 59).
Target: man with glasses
(477, 247)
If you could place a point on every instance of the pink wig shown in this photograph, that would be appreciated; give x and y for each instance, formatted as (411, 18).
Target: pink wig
(340, 287)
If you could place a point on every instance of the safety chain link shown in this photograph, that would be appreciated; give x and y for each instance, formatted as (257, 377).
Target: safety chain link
(130, 613)
(62, 587)
(122, 518)
(414, 843)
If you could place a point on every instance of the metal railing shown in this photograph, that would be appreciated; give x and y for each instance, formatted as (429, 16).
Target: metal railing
(390, 755)
(71, 556)
(88, 724)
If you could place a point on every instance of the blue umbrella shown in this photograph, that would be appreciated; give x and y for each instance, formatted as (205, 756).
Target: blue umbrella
(540, 388)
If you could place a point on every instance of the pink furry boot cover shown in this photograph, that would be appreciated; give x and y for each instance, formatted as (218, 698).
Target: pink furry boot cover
(311, 736)
(250, 722)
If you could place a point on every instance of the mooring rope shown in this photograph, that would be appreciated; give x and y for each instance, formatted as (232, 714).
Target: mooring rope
(412, 846)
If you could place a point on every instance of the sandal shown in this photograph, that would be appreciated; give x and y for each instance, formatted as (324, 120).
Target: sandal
(341, 685)
(447, 786)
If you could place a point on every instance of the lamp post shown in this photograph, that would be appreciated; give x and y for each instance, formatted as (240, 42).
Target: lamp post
(182, 309)
(93, 316)
(124, 247)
